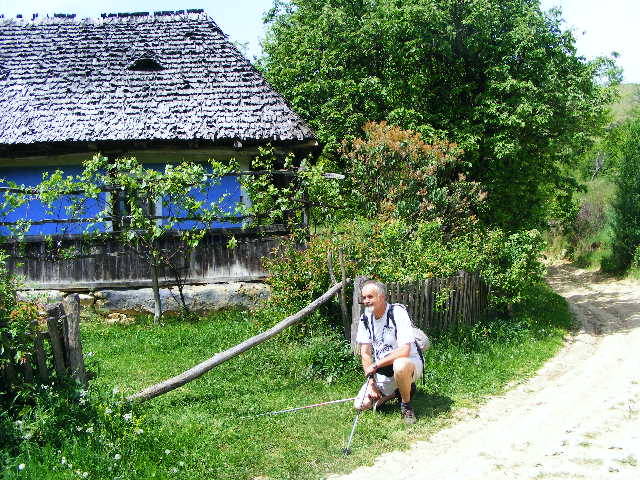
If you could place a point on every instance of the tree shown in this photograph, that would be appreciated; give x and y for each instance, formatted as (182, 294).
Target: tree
(128, 213)
(500, 78)
(626, 206)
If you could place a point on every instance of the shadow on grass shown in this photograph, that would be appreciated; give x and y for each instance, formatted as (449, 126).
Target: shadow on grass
(431, 405)
(424, 404)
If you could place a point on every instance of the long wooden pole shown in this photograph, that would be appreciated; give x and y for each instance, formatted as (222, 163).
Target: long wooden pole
(202, 368)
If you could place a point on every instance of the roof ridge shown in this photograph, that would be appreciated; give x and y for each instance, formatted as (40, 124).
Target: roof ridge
(116, 17)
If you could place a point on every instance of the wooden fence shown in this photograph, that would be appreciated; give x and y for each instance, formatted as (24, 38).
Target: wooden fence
(56, 352)
(434, 304)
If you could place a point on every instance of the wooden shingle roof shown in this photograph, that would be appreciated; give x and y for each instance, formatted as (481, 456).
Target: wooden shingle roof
(162, 77)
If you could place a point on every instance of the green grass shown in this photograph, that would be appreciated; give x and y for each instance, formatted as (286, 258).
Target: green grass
(200, 424)
(591, 239)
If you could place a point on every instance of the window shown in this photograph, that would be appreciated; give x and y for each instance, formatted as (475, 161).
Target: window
(146, 64)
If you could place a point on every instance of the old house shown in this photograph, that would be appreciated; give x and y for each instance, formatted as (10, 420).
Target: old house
(162, 87)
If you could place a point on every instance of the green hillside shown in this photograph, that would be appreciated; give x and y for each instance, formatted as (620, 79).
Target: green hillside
(629, 99)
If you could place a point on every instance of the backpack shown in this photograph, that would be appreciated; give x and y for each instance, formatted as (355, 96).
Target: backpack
(421, 340)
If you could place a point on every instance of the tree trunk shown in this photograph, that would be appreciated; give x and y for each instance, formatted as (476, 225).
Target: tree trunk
(157, 303)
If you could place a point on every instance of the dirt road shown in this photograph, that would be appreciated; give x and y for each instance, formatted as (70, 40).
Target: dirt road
(579, 417)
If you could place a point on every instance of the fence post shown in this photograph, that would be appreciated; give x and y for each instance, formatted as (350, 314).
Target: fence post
(356, 310)
(71, 305)
(27, 369)
(41, 361)
(53, 314)
(9, 371)
(343, 298)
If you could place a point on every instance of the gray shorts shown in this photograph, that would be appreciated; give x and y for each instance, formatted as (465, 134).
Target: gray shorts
(386, 385)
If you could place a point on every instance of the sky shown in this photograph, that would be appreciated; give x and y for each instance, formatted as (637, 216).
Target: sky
(600, 26)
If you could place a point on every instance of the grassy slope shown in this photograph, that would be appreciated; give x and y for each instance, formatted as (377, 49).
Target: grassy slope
(200, 424)
(589, 250)
(629, 101)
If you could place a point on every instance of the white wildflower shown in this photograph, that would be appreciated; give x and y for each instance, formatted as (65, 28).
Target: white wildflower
(21, 466)
(63, 460)
(115, 390)
(174, 470)
(138, 431)
(107, 411)
(181, 464)
(167, 452)
(89, 354)
(127, 416)
(85, 474)
(117, 456)
(89, 429)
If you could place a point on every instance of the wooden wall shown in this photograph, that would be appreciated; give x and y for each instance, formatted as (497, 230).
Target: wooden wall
(106, 264)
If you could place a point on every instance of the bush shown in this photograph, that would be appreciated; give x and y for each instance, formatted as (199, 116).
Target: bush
(7, 290)
(394, 173)
(18, 325)
(584, 235)
(408, 213)
(397, 251)
(390, 173)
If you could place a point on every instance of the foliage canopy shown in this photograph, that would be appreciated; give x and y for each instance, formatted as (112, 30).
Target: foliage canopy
(500, 78)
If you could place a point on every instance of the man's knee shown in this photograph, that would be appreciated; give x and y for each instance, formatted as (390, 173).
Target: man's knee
(403, 367)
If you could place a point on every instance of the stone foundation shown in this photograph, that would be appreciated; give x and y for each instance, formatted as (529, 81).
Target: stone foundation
(199, 298)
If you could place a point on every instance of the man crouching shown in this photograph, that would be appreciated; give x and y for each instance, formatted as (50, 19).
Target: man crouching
(390, 357)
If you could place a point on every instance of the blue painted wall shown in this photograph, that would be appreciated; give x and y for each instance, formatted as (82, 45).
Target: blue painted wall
(225, 195)
(227, 188)
(35, 210)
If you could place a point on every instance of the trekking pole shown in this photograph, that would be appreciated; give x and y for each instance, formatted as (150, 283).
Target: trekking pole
(288, 410)
(347, 450)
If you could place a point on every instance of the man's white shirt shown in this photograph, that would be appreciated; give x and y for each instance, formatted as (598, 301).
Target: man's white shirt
(382, 335)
